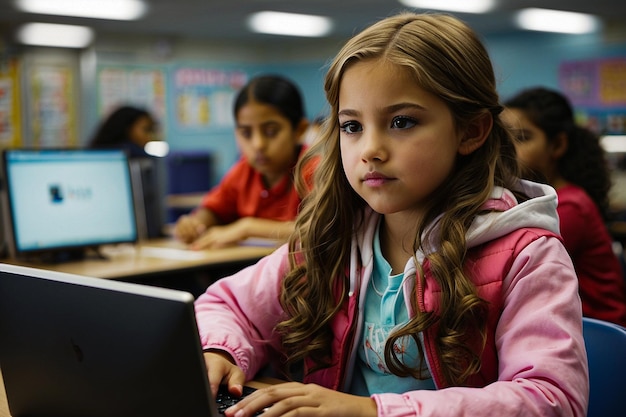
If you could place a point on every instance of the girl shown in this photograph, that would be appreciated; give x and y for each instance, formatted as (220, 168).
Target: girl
(256, 198)
(127, 127)
(424, 278)
(568, 157)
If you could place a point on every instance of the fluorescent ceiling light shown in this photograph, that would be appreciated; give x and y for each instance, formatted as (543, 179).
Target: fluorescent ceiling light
(157, 148)
(462, 6)
(545, 20)
(49, 34)
(290, 24)
(99, 9)
(614, 143)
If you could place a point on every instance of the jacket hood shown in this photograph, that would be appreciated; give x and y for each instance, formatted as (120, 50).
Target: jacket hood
(538, 211)
(507, 215)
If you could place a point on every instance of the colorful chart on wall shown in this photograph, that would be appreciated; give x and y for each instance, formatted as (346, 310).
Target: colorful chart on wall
(52, 114)
(140, 86)
(10, 126)
(597, 89)
(203, 97)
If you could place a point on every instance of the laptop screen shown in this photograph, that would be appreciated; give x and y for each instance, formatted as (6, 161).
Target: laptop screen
(68, 198)
(99, 348)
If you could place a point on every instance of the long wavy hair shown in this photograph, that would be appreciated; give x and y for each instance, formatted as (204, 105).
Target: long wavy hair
(447, 59)
(584, 162)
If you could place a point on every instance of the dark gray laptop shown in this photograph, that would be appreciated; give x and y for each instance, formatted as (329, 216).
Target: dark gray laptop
(75, 346)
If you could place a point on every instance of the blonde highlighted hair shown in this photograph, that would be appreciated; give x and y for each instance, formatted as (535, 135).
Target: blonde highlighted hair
(447, 59)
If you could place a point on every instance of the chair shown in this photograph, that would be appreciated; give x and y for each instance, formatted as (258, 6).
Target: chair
(606, 353)
(188, 172)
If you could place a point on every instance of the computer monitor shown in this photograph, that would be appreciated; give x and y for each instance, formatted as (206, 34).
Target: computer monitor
(149, 190)
(60, 202)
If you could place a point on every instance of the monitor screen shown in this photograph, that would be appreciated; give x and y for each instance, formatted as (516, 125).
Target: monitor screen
(67, 198)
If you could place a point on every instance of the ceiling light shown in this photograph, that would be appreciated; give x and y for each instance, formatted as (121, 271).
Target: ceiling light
(290, 24)
(99, 9)
(157, 148)
(49, 34)
(614, 143)
(462, 6)
(545, 20)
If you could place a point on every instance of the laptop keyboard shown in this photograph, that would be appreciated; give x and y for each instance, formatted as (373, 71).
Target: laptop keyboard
(225, 399)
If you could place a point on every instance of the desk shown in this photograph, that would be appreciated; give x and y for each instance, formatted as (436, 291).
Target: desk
(153, 257)
(162, 262)
(4, 407)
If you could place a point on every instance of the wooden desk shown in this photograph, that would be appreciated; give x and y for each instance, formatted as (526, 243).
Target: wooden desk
(151, 258)
(4, 407)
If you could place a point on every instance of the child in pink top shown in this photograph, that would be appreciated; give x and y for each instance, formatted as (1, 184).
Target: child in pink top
(424, 278)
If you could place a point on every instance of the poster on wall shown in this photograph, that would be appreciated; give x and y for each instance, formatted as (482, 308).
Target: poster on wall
(597, 90)
(10, 127)
(129, 85)
(52, 115)
(203, 97)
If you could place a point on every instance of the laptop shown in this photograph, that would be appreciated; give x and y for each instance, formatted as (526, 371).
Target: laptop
(75, 346)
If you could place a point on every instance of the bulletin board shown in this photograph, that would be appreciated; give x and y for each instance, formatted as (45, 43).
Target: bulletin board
(597, 89)
(10, 120)
(203, 97)
(52, 109)
(141, 86)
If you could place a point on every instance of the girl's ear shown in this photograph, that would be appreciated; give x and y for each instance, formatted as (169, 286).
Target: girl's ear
(476, 134)
(559, 145)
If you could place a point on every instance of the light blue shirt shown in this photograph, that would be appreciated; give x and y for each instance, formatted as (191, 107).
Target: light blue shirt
(384, 310)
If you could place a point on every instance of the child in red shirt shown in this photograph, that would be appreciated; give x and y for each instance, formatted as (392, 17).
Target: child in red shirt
(257, 197)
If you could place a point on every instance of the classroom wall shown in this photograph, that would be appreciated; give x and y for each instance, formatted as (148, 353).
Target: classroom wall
(531, 58)
(303, 64)
(520, 60)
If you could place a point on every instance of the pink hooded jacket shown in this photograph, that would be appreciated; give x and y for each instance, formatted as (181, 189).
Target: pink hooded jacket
(534, 363)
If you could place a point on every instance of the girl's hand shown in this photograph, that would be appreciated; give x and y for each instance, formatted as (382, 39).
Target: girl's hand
(222, 370)
(293, 398)
(221, 236)
(188, 227)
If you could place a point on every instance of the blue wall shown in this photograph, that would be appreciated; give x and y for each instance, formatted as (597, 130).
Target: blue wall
(520, 60)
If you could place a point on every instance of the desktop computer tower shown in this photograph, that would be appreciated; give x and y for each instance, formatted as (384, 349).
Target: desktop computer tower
(148, 179)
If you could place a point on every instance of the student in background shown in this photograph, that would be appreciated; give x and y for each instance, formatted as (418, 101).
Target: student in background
(127, 127)
(256, 197)
(424, 277)
(551, 147)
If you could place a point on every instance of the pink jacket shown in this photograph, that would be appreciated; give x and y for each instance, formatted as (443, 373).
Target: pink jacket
(534, 363)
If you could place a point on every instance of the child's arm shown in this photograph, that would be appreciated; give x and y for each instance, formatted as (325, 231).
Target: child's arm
(244, 228)
(189, 227)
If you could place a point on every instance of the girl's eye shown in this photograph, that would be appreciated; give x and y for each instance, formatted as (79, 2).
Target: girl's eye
(403, 122)
(271, 132)
(350, 127)
(245, 133)
(521, 137)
